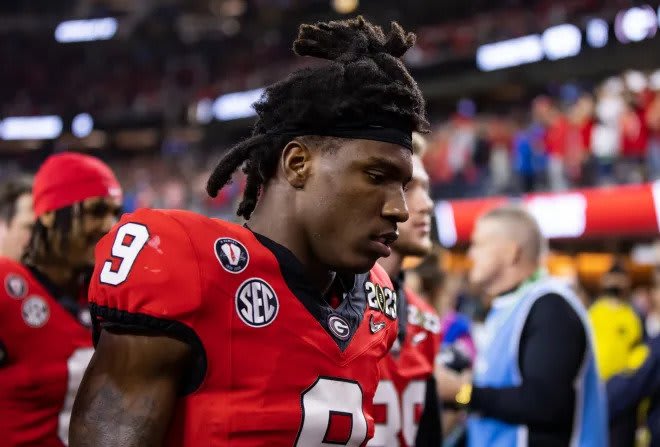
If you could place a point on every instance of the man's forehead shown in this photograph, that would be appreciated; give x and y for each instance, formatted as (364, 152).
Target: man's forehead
(488, 227)
(419, 172)
(110, 200)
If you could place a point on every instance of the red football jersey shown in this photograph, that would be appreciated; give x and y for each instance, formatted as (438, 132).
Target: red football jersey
(276, 365)
(405, 371)
(44, 351)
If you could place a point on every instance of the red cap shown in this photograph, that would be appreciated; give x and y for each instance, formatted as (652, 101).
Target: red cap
(68, 178)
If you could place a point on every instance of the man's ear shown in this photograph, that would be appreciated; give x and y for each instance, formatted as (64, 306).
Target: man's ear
(47, 219)
(296, 163)
(512, 252)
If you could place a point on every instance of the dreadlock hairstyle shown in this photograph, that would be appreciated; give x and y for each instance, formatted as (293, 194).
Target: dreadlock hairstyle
(40, 245)
(364, 82)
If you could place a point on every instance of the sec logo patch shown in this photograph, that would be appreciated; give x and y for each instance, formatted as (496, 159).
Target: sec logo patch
(233, 256)
(256, 303)
(16, 286)
(35, 311)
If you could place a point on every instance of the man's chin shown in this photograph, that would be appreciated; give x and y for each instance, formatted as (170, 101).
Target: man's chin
(413, 249)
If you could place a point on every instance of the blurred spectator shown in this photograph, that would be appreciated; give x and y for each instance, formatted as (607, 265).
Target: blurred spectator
(529, 157)
(16, 217)
(536, 349)
(634, 144)
(556, 140)
(618, 337)
(616, 326)
(628, 390)
(653, 123)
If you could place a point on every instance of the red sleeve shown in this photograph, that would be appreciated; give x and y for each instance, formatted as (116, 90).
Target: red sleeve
(147, 278)
(430, 321)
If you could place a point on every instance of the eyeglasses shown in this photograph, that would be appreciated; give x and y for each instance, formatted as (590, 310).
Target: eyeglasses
(101, 209)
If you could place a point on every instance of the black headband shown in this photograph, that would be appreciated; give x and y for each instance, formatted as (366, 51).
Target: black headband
(386, 134)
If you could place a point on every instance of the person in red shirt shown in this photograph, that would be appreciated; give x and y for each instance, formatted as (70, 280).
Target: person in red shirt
(556, 140)
(634, 144)
(267, 334)
(45, 341)
(406, 405)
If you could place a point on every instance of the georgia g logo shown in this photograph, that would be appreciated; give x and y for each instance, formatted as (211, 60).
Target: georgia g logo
(339, 327)
(233, 256)
(256, 303)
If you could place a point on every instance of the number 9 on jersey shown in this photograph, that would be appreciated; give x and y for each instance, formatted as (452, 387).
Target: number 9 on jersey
(129, 241)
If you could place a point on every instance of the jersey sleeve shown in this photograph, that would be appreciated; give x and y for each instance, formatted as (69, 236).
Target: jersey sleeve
(146, 278)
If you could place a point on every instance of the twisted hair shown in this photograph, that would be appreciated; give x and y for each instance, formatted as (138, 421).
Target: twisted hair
(40, 246)
(364, 82)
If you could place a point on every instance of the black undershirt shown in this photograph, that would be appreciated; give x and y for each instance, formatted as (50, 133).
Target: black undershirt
(552, 349)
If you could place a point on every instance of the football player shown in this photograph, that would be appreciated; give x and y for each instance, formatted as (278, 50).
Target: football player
(406, 407)
(45, 340)
(268, 334)
(16, 217)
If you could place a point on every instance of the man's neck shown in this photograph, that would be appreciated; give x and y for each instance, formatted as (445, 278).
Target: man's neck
(62, 276)
(392, 264)
(510, 281)
(285, 232)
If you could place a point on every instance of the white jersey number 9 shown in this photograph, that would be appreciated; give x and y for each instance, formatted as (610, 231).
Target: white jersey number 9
(130, 239)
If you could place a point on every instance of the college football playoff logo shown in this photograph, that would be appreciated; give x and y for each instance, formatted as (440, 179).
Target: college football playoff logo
(256, 303)
(15, 286)
(233, 256)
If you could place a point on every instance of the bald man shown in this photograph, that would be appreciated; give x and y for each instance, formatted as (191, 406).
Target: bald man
(535, 381)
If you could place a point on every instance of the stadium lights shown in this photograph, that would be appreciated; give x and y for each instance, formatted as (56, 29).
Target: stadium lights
(636, 24)
(562, 41)
(510, 53)
(31, 127)
(597, 33)
(86, 30)
(236, 105)
(204, 111)
(636, 81)
(82, 125)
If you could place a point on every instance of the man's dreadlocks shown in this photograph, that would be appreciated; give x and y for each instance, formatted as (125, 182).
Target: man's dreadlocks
(365, 81)
(40, 242)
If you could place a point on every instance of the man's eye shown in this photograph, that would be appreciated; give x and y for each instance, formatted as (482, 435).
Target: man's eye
(376, 177)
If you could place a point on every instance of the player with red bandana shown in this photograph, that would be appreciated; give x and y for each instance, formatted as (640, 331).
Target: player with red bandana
(45, 341)
(406, 405)
(268, 334)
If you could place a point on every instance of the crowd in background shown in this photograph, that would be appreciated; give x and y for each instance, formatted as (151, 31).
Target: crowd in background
(576, 138)
(179, 53)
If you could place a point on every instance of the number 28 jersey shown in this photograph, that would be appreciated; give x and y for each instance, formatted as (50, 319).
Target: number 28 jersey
(275, 365)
